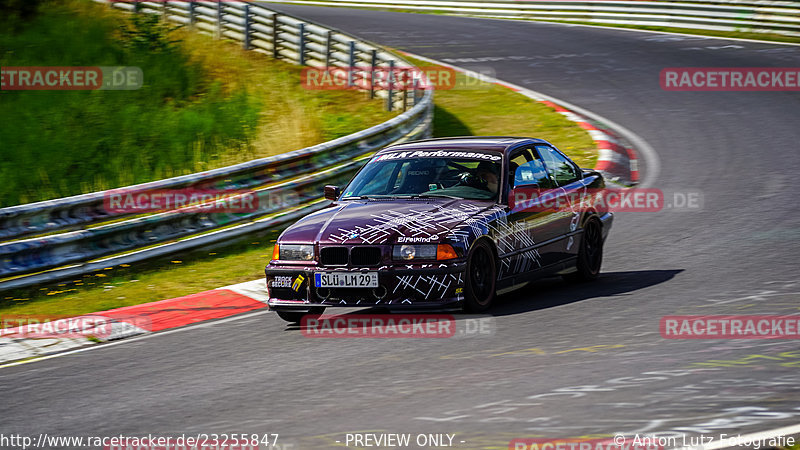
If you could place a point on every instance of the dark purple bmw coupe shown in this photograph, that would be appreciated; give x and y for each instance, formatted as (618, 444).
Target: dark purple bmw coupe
(444, 224)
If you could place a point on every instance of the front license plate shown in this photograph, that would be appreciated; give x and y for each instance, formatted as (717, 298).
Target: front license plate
(346, 279)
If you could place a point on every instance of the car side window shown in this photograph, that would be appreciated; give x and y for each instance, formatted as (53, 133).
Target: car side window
(560, 169)
(525, 168)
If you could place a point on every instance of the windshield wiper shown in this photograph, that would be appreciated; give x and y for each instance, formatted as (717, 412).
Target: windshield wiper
(373, 196)
(357, 197)
(429, 195)
(366, 197)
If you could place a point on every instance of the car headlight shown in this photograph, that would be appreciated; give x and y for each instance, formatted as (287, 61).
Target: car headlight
(294, 252)
(408, 252)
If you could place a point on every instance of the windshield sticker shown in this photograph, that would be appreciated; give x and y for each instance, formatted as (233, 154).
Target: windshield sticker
(438, 154)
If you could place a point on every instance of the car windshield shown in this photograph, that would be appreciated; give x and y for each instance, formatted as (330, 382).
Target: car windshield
(454, 174)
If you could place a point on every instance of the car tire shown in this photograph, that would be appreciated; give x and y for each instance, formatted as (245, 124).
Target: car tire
(481, 278)
(590, 253)
(297, 316)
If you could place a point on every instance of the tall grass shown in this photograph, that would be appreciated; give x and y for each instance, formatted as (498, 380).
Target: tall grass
(204, 104)
(291, 117)
(59, 143)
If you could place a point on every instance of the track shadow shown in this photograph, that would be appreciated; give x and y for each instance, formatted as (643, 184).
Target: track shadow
(542, 294)
(446, 124)
(552, 292)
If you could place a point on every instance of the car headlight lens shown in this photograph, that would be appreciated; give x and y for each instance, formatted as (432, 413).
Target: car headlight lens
(295, 252)
(407, 252)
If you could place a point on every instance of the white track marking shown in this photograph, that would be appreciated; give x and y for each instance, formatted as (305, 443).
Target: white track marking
(255, 289)
(757, 436)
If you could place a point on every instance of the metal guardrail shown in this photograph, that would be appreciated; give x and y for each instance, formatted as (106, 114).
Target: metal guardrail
(301, 172)
(760, 16)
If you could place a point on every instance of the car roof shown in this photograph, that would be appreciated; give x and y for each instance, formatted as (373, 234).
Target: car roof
(499, 144)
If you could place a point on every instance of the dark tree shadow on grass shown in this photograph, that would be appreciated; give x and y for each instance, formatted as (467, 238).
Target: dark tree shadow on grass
(446, 124)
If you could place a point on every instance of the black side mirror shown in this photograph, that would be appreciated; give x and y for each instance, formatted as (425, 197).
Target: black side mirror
(331, 193)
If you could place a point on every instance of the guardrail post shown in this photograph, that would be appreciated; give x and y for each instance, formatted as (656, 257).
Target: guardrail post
(136, 6)
(352, 63)
(373, 64)
(246, 42)
(220, 20)
(192, 5)
(165, 10)
(328, 48)
(390, 87)
(275, 30)
(415, 85)
(404, 85)
(302, 32)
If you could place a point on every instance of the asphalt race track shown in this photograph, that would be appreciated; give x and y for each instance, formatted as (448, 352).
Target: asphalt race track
(561, 360)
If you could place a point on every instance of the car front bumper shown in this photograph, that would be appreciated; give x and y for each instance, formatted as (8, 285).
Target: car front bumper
(420, 286)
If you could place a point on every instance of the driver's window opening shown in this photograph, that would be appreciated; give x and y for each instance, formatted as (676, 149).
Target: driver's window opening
(527, 169)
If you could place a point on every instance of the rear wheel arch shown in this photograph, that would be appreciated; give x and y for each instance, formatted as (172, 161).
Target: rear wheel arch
(588, 215)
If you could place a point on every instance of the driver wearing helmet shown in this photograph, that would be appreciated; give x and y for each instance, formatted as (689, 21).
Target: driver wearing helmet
(487, 172)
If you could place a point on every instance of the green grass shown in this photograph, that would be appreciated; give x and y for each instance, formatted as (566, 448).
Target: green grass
(204, 104)
(484, 109)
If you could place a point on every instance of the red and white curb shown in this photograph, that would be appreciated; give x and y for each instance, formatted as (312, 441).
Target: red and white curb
(139, 319)
(618, 159)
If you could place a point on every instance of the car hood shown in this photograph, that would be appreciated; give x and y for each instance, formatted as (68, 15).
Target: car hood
(384, 221)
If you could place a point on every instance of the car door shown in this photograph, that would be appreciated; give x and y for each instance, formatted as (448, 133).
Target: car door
(568, 180)
(533, 222)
